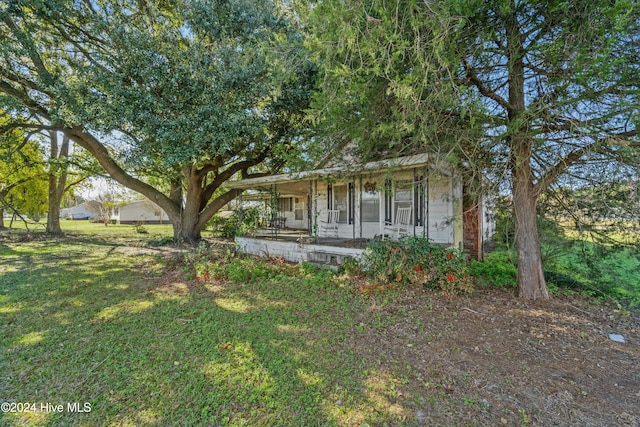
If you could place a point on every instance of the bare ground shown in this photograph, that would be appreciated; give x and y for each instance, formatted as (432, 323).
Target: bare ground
(508, 361)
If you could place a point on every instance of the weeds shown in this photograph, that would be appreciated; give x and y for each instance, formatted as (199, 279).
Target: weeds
(417, 261)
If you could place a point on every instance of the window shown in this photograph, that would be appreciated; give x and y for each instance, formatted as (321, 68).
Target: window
(299, 210)
(352, 202)
(285, 204)
(418, 200)
(370, 206)
(388, 202)
(340, 197)
(403, 196)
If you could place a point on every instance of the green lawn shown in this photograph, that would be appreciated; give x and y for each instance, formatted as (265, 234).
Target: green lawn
(99, 317)
(96, 229)
(84, 320)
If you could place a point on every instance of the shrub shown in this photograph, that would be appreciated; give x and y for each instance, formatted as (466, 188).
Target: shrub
(223, 227)
(239, 224)
(225, 264)
(140, 228)
(564, 281)
(498, 269)
(416, 260)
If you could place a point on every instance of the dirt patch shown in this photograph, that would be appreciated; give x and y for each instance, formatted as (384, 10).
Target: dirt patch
(507, 361)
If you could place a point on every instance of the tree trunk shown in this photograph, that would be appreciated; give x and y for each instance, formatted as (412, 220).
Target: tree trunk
(53, 216)
(57, 181)
(531, 282)
(56, 191)
(2, 227)
(186, 230)
(186, 225)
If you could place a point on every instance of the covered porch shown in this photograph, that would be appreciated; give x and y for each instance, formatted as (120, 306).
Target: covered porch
(328, 214)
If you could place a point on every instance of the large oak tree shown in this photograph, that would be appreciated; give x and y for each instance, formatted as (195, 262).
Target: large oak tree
(182, 94)
(523, 91)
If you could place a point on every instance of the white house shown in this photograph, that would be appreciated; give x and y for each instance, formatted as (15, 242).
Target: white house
(139, 211)
(383, 199)
(78, 212)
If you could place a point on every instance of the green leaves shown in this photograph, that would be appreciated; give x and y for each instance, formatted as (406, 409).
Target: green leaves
(23, 185)
(197, 90)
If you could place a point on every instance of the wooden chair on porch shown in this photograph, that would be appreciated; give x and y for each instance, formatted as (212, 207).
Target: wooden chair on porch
(331, 224)
(401, 224)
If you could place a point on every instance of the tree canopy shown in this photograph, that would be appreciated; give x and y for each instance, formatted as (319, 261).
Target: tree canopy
(190, 92)
(22, 175)
(526, 92)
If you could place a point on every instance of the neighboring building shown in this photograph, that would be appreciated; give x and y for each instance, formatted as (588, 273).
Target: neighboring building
(139, 212)
(79, 212)
(366, 201)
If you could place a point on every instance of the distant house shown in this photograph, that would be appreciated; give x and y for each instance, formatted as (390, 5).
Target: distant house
(79, 212)
(139, 212)
(348, 205)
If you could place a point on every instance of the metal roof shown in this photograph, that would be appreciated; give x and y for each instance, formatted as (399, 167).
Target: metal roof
(399, 163)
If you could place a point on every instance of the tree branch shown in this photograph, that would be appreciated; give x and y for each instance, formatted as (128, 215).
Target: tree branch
(471, 76)
(99, 151)
(30, 48)
(552, 174)
(215, 206)
(24, 98)
(230, 171)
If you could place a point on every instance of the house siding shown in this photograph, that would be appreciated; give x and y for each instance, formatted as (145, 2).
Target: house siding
(442, 208)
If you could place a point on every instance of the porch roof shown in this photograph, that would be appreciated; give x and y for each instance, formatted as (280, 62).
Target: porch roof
(399, 163)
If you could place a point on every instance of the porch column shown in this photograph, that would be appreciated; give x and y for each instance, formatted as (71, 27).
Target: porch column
(310, 209)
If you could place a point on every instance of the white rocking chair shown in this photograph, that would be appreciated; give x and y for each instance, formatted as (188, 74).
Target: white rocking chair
(331, 224)
(401, 224)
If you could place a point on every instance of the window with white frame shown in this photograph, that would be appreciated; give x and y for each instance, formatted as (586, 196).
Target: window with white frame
(341, 202)
(285, 204)
(403, 197)
(370, 204)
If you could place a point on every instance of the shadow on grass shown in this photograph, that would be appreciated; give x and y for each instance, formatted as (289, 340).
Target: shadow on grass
(92, 326)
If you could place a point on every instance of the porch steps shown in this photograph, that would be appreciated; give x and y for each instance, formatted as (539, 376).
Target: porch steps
(326, 259)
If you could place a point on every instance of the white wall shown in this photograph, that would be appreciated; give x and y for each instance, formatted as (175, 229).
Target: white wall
(440, 201)
(142, 211)
(440, 208)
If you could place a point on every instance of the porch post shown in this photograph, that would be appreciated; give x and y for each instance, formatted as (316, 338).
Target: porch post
(351, 209)
(315, 211)
(240, 211)
(415, 199)
(309, 208)
(427, 199)
(360, 205)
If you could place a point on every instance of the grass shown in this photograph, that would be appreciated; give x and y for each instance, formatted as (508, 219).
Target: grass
(95, 229)
(85, 321)
(102, 319)
(579, 267)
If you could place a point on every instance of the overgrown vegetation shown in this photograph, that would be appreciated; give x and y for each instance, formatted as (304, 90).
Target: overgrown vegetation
(223, 263)
(571, 262)
(239, 223)
(416, 260)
